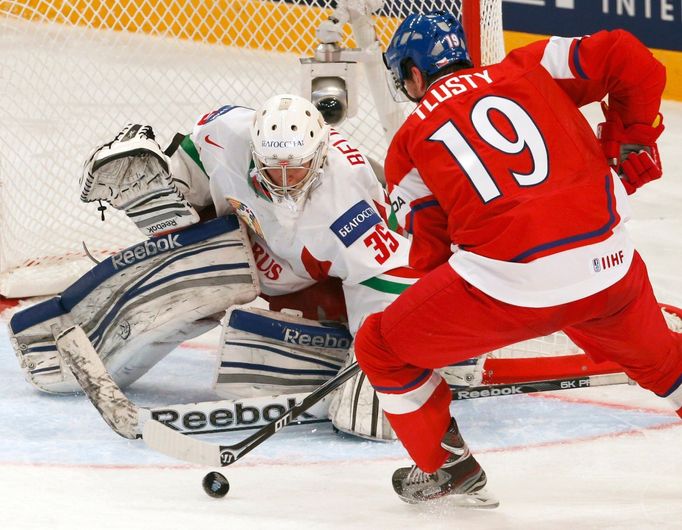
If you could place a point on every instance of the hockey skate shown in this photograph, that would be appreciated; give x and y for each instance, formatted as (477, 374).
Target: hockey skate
(461, 478)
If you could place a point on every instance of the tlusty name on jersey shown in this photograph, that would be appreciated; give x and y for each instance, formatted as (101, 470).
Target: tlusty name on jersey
(452, 86)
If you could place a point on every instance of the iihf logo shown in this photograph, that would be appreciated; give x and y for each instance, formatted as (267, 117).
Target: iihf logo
(596, 265)
(608, 261)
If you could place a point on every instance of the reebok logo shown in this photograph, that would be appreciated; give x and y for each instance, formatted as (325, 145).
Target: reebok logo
(144, 250)
(231, 416)
(323, 340)
(151, 230)
(505, 391)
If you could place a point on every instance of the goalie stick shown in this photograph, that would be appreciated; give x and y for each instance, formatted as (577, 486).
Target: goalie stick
(126, 418)
(121, 414)
(175, 444)
(172, 443)
(227, 415)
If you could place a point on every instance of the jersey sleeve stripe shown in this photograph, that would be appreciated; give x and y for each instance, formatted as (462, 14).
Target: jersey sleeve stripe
(556, 58)
(417, 206)
(675, 388)
(575, 55)
(187, 145)
(387, 284)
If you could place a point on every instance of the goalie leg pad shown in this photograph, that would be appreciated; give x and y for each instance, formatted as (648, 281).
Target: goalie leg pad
(139, 304)
(269, 353)
(355, 409)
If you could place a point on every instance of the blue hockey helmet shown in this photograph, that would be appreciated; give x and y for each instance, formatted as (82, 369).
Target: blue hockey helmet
(433, 41)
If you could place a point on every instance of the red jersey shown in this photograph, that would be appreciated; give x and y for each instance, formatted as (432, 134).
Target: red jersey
(499, 162)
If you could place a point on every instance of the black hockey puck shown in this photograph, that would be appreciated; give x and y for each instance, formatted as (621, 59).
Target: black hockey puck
(215, 485)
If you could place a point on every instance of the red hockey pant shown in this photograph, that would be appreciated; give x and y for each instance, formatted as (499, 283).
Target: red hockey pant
(442, 320)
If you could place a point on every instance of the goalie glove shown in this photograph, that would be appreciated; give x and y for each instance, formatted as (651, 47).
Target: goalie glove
(131, 174)
(632, 150)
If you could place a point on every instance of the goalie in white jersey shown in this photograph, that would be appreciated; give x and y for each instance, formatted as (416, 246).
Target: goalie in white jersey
(314, 207)
(316, 214)
(315, 210)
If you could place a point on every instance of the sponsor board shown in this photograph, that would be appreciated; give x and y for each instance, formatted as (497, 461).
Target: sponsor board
(654, 22)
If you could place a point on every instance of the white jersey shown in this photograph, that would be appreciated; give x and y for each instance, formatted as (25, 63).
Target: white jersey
(340, 232)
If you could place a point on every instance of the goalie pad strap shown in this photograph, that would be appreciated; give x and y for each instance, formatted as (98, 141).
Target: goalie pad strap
(175, 143)
(375, 408)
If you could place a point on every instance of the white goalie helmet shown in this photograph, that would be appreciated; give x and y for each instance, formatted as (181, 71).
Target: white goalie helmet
(289, 141)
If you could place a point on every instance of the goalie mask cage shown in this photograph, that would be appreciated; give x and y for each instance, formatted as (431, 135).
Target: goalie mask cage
(74, 72)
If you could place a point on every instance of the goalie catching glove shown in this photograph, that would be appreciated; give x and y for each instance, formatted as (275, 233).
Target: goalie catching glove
(632, 150)
(131, 174)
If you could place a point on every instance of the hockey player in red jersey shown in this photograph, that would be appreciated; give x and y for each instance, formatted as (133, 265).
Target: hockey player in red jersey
(514, 210)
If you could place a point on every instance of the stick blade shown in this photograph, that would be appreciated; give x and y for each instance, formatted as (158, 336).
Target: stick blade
(172, 443)
(77, 352)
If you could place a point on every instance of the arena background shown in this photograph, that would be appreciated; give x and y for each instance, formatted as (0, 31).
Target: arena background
(658, 23)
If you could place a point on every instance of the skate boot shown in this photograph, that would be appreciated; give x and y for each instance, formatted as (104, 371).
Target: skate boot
(461, 478)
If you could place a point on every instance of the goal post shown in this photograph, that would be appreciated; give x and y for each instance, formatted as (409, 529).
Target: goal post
(74, 72)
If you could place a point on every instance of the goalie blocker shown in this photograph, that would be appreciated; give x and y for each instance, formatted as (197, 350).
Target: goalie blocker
(139, 304)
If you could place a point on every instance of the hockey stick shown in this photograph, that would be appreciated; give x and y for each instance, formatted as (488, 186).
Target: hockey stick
(175, 444)
(172, 443)
(548, 385)
(126, 418)
(121, 414)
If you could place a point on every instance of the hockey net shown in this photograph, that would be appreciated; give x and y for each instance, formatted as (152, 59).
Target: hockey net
(74, 72)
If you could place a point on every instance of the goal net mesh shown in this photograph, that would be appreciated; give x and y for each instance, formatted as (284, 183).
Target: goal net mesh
(72, 73)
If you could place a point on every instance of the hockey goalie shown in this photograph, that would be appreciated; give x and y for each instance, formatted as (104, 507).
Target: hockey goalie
(270, 202)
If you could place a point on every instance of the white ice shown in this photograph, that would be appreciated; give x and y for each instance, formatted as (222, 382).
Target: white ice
(600, 458)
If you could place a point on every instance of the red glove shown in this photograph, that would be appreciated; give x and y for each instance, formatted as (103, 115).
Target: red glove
(640, 168)
(631, 150)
